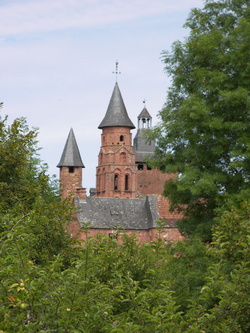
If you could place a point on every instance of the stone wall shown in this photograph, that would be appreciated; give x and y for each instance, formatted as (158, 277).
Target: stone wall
(150, 181)
(70, 180)
(143, 236)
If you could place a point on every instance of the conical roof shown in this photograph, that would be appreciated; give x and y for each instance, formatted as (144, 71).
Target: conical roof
(71, 156)
(116, 114)
(144, 113)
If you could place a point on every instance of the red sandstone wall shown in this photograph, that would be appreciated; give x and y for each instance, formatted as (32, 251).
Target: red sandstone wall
(151, 181)
(163, 209)
(70, 181)
(111, 136)
(169, 235)
(143, 236)
(116, 157)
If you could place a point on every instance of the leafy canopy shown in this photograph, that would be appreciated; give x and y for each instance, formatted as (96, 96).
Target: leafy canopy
(30, 209)
(125, 286)
(204, 132)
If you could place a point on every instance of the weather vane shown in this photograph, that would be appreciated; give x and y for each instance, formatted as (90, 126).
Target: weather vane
(116, 69)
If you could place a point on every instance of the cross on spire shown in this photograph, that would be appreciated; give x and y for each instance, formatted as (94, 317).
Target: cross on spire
(116, 70)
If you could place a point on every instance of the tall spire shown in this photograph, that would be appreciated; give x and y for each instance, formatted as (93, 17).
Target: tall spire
(116, 115)
(71, 156)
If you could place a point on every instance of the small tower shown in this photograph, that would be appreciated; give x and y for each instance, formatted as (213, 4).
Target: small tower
(116, 171)
(149, 181)
(144, 149)
(71, 169)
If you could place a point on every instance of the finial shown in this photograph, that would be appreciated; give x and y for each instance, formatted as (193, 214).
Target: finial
(116, 69)
(144, 102)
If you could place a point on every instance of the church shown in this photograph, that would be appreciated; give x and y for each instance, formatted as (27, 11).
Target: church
(128, 193)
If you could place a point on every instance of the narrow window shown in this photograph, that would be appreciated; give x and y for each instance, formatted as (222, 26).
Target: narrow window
(126, 182)
(121, 138)
(116, 183)
(99, 183)
(104, 179)
(140, 167)
(71, 169)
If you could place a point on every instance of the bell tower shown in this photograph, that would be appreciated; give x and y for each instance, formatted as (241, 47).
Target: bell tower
(116, 171)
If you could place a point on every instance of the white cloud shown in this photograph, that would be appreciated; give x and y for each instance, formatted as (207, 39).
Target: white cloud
(53, 15)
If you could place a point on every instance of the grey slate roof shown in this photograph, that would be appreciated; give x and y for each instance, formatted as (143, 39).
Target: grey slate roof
(71, 156)
(143, 157)
(144, 114)
(143, 148)
(116, 114)
(108, 213)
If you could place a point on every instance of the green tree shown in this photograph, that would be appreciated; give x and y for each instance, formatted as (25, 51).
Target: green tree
(31, 211)
(204, 132)
(186, 269)
(223, 304)
(22, 175)
(112, 287)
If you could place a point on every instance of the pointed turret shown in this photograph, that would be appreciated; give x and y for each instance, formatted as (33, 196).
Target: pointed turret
(116, 115)
(71, 156)
(71, 169)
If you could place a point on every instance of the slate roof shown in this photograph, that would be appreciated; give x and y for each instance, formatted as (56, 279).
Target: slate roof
(144, 113)
(108, 213)
(143, 157)
(142, 147)
(71, 156)
(116, 114)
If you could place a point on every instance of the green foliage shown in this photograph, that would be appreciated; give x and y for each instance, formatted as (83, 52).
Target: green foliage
(120, 285)
(80, 298)
(186, 269)
(223, 305)
(204, 131)
(32, 216)
(22, 175)
(48, 283)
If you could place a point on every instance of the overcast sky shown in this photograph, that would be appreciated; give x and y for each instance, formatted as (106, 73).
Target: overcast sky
(57, 59)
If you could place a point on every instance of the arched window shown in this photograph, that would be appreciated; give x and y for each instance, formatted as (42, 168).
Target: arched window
(116, 182)
(121, 138)
(123, 157)
(126, 182)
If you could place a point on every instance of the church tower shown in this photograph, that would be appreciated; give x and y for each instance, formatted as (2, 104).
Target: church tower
(116, 171)
(71, 169)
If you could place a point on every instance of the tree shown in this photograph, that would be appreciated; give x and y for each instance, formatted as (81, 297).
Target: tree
(223, 304)
(204, 132)
(31, 211)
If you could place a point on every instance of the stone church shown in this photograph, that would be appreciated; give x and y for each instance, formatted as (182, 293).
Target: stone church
(128, 192)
